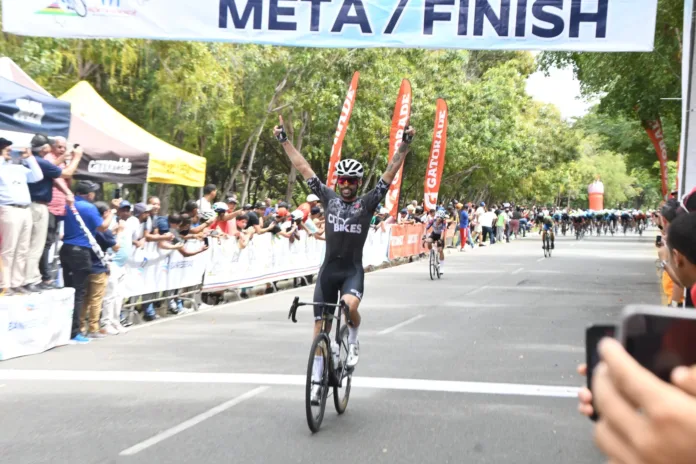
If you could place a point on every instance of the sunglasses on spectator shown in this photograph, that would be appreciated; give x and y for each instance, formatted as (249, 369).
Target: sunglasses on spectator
(348, 180)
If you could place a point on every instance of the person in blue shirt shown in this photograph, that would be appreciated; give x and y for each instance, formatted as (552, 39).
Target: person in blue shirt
(41, 195)
(76, 254)
(463, 227)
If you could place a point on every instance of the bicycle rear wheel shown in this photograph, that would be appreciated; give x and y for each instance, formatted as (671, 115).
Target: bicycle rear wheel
(345, 378)
(315, 413)
(433, 265)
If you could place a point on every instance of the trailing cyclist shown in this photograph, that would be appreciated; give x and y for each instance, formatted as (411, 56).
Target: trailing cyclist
(439, 225)
(547, 227)
(347, 224)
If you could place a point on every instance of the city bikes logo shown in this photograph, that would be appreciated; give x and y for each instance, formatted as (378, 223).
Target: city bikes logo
(80, 8)
(339, 225)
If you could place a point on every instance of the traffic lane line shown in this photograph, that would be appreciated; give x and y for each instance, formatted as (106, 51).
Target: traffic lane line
(377, 383)
(401, 324)
(152, 441)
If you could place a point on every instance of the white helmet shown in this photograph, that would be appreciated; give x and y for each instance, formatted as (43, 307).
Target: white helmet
(312, 197)
(440, 214)
(220, 207)
(350, 168)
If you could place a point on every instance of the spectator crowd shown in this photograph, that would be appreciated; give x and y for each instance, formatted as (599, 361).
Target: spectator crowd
(40, 213)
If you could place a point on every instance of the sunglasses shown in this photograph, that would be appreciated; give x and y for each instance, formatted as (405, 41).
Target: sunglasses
(348, 180)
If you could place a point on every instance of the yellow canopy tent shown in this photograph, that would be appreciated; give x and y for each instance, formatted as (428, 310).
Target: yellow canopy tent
(168, 164)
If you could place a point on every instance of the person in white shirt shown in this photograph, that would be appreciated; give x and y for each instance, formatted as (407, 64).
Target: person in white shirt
(478, 223)
(205, 204)
(487, 220)
(15, 215)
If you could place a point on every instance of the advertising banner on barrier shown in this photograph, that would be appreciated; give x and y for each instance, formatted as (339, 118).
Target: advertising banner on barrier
(341, 130)
(406, 241)
(266, 258)
(35, 323)
(402, 114)
(566, 25)
(436, 162)
(151, 270)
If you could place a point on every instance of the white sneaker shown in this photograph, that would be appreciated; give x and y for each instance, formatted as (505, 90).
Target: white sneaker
(110, 330)
(315, 398)
(353, 354)
(119, 328)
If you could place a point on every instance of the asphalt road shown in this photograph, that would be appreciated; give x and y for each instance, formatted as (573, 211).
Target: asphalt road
(478, 367)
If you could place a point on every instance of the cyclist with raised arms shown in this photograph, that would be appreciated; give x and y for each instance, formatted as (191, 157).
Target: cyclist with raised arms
(347, 224)
(439, 225)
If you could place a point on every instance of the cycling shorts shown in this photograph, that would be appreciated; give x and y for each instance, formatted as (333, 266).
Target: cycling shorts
(337, 277)
(436, 237)
(547, 227)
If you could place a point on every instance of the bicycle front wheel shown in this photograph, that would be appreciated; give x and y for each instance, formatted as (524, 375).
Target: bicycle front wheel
(315, 412)
(345, 377)
(433, 265)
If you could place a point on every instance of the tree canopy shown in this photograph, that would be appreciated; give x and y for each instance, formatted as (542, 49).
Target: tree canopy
(222, 100)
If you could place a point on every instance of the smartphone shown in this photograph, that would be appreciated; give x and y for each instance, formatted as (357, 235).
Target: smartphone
(117, 193)
(658, 241)
(206, 241)
(593, 335)
(659, 338)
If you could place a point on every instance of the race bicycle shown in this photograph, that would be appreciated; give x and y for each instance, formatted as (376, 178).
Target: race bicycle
(434, 261)
(547, 244)
(336, 373)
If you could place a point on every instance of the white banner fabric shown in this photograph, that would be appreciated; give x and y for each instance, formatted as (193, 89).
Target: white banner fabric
(35, 323)
(268, 258)
(574, 25)
(151, 270)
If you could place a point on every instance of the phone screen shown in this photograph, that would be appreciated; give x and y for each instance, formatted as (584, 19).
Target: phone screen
(593, 335)
(660, 343)
(206, 241)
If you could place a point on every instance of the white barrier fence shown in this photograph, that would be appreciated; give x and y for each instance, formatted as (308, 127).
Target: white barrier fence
(268, 258)
(35, 323)
(152, 270)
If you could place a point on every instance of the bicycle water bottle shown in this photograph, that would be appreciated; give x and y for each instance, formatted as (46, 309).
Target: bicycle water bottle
(334, 354)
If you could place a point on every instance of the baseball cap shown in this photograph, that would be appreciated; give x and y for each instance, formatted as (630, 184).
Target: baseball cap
(282, 212)
(383, 211)
(125, 204)
(141, 208)
(232, 199)
(260, 205)
(84, 187)
(4, 143)
(404, 211)
(315, 210)
(247, 207)
(297, 214)
(312, 197)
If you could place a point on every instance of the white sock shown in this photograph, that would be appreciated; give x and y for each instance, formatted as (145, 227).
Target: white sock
(442, 263)
(318, 368)
(352, 335)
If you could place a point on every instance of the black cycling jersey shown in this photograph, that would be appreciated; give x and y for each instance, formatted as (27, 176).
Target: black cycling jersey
(347, 225)
(347, 222)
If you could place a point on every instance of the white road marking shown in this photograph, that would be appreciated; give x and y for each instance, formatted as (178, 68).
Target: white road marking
(530, 288)
(517, 271)
(143, 445)
(477, 290)
(400, 325)
(540, 260)
(551, 391)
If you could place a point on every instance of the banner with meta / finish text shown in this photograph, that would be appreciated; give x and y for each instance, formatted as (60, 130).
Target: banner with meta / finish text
(569, 25)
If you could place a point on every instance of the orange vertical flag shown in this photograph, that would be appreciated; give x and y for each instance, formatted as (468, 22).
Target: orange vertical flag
(436, 162)
(402, 114)
(341, 130)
